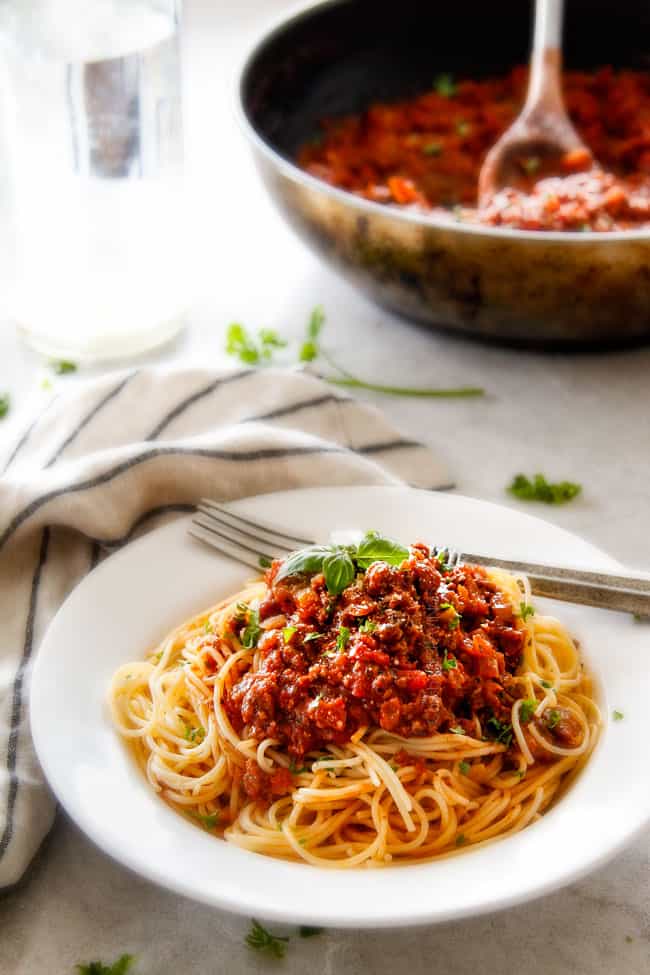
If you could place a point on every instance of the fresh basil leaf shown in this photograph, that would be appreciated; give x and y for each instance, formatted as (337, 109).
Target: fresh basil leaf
(304, 560)
(339, 571)
(373, 547)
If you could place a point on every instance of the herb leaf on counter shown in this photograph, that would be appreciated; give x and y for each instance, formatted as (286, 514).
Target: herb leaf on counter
(257, 352)
(62, 366)
(259, 939)
(5, 404)
(539, 489)
(120, 967)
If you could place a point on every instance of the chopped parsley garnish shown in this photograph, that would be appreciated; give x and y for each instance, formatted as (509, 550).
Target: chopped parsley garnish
(368, 626)
(521, 772)
(296, 770)
(119, 967)
(46, 383)
(547, 684)
(194, 735)
(342, 638)
(305, 931)
(259, 939)
(617, 715)
(310, 348)
(527, 710)
(552, 716)
(531, 164)
(453, 620)
(313, 636)
(500, 731)
(463, 128)
(264, 562)
(449, 663)
(445, 85)
(457, 730)
(241, 344)
(526, 610)
(208, 627)
(62, 366)
(464, 767)
(460, 839)
(158, 657)
(208, 822)
(432, 149)
(252, 631)
(287, 633)
(539, 489)
(5, 404)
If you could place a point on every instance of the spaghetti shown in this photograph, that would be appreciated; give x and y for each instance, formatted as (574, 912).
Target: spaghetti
(393, 715)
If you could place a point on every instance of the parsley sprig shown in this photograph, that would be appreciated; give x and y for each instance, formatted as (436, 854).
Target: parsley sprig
(5, 405)
(538, 488)
(260, 939)
(243, 345)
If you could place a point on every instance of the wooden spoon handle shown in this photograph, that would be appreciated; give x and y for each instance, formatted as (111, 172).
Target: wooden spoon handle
(545, 88)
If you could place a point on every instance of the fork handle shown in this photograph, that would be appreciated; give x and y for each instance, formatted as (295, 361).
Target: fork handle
(627, 594)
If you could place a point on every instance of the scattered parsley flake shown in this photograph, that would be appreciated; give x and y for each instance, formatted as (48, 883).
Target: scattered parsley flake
(119, 967)
(445, 85)
(521, 772)
(158, 657)
(368, 626)
(264, 562)
(547, 684)
(287, 633)
(527, 709)
(313, 636)
(539, 489)
(500, 731)
(342, 638)
(449, 663)
(526, 610)
(305, 931)
(531, 164)
(46, 383)
(457, 730)
(617, 715)
(208, 627)
(61, 367)
(208, 822)
(552, 716)
(194, 735)
(454, 620)
(259, 939)
(252, 631)
(432, 149)
(464, 767)
(5, 405)
(460, 839)
(463, 128)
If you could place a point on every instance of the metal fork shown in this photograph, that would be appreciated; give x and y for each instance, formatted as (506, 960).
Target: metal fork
(256, 545)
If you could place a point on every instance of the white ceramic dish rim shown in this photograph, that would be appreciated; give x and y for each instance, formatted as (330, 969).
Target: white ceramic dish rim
(296, 893)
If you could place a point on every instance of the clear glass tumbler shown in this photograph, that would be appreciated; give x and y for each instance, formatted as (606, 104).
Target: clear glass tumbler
(92, 105)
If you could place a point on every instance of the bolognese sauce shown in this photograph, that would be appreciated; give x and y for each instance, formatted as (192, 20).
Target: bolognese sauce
(413, 649)
(426, 153)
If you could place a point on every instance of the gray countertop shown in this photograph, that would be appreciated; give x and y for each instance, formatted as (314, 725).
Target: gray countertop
(575, 417)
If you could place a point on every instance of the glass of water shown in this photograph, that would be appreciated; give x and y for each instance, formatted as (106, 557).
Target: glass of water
(92, 106)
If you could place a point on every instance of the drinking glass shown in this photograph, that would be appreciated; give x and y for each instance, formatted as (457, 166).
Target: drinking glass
(92, 110)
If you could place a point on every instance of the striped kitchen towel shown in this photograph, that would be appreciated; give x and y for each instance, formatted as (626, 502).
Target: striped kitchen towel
(113, 458)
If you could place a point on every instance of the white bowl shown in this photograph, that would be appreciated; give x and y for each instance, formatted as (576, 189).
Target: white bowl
(130, 601)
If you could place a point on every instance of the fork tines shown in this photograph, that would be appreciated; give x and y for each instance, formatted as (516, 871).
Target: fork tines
(241, 538)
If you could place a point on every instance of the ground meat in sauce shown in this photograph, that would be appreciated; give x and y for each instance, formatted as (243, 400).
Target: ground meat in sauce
(426, 153)
(414, 650)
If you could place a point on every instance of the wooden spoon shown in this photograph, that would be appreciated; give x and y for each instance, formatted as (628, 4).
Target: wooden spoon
(542, 131)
